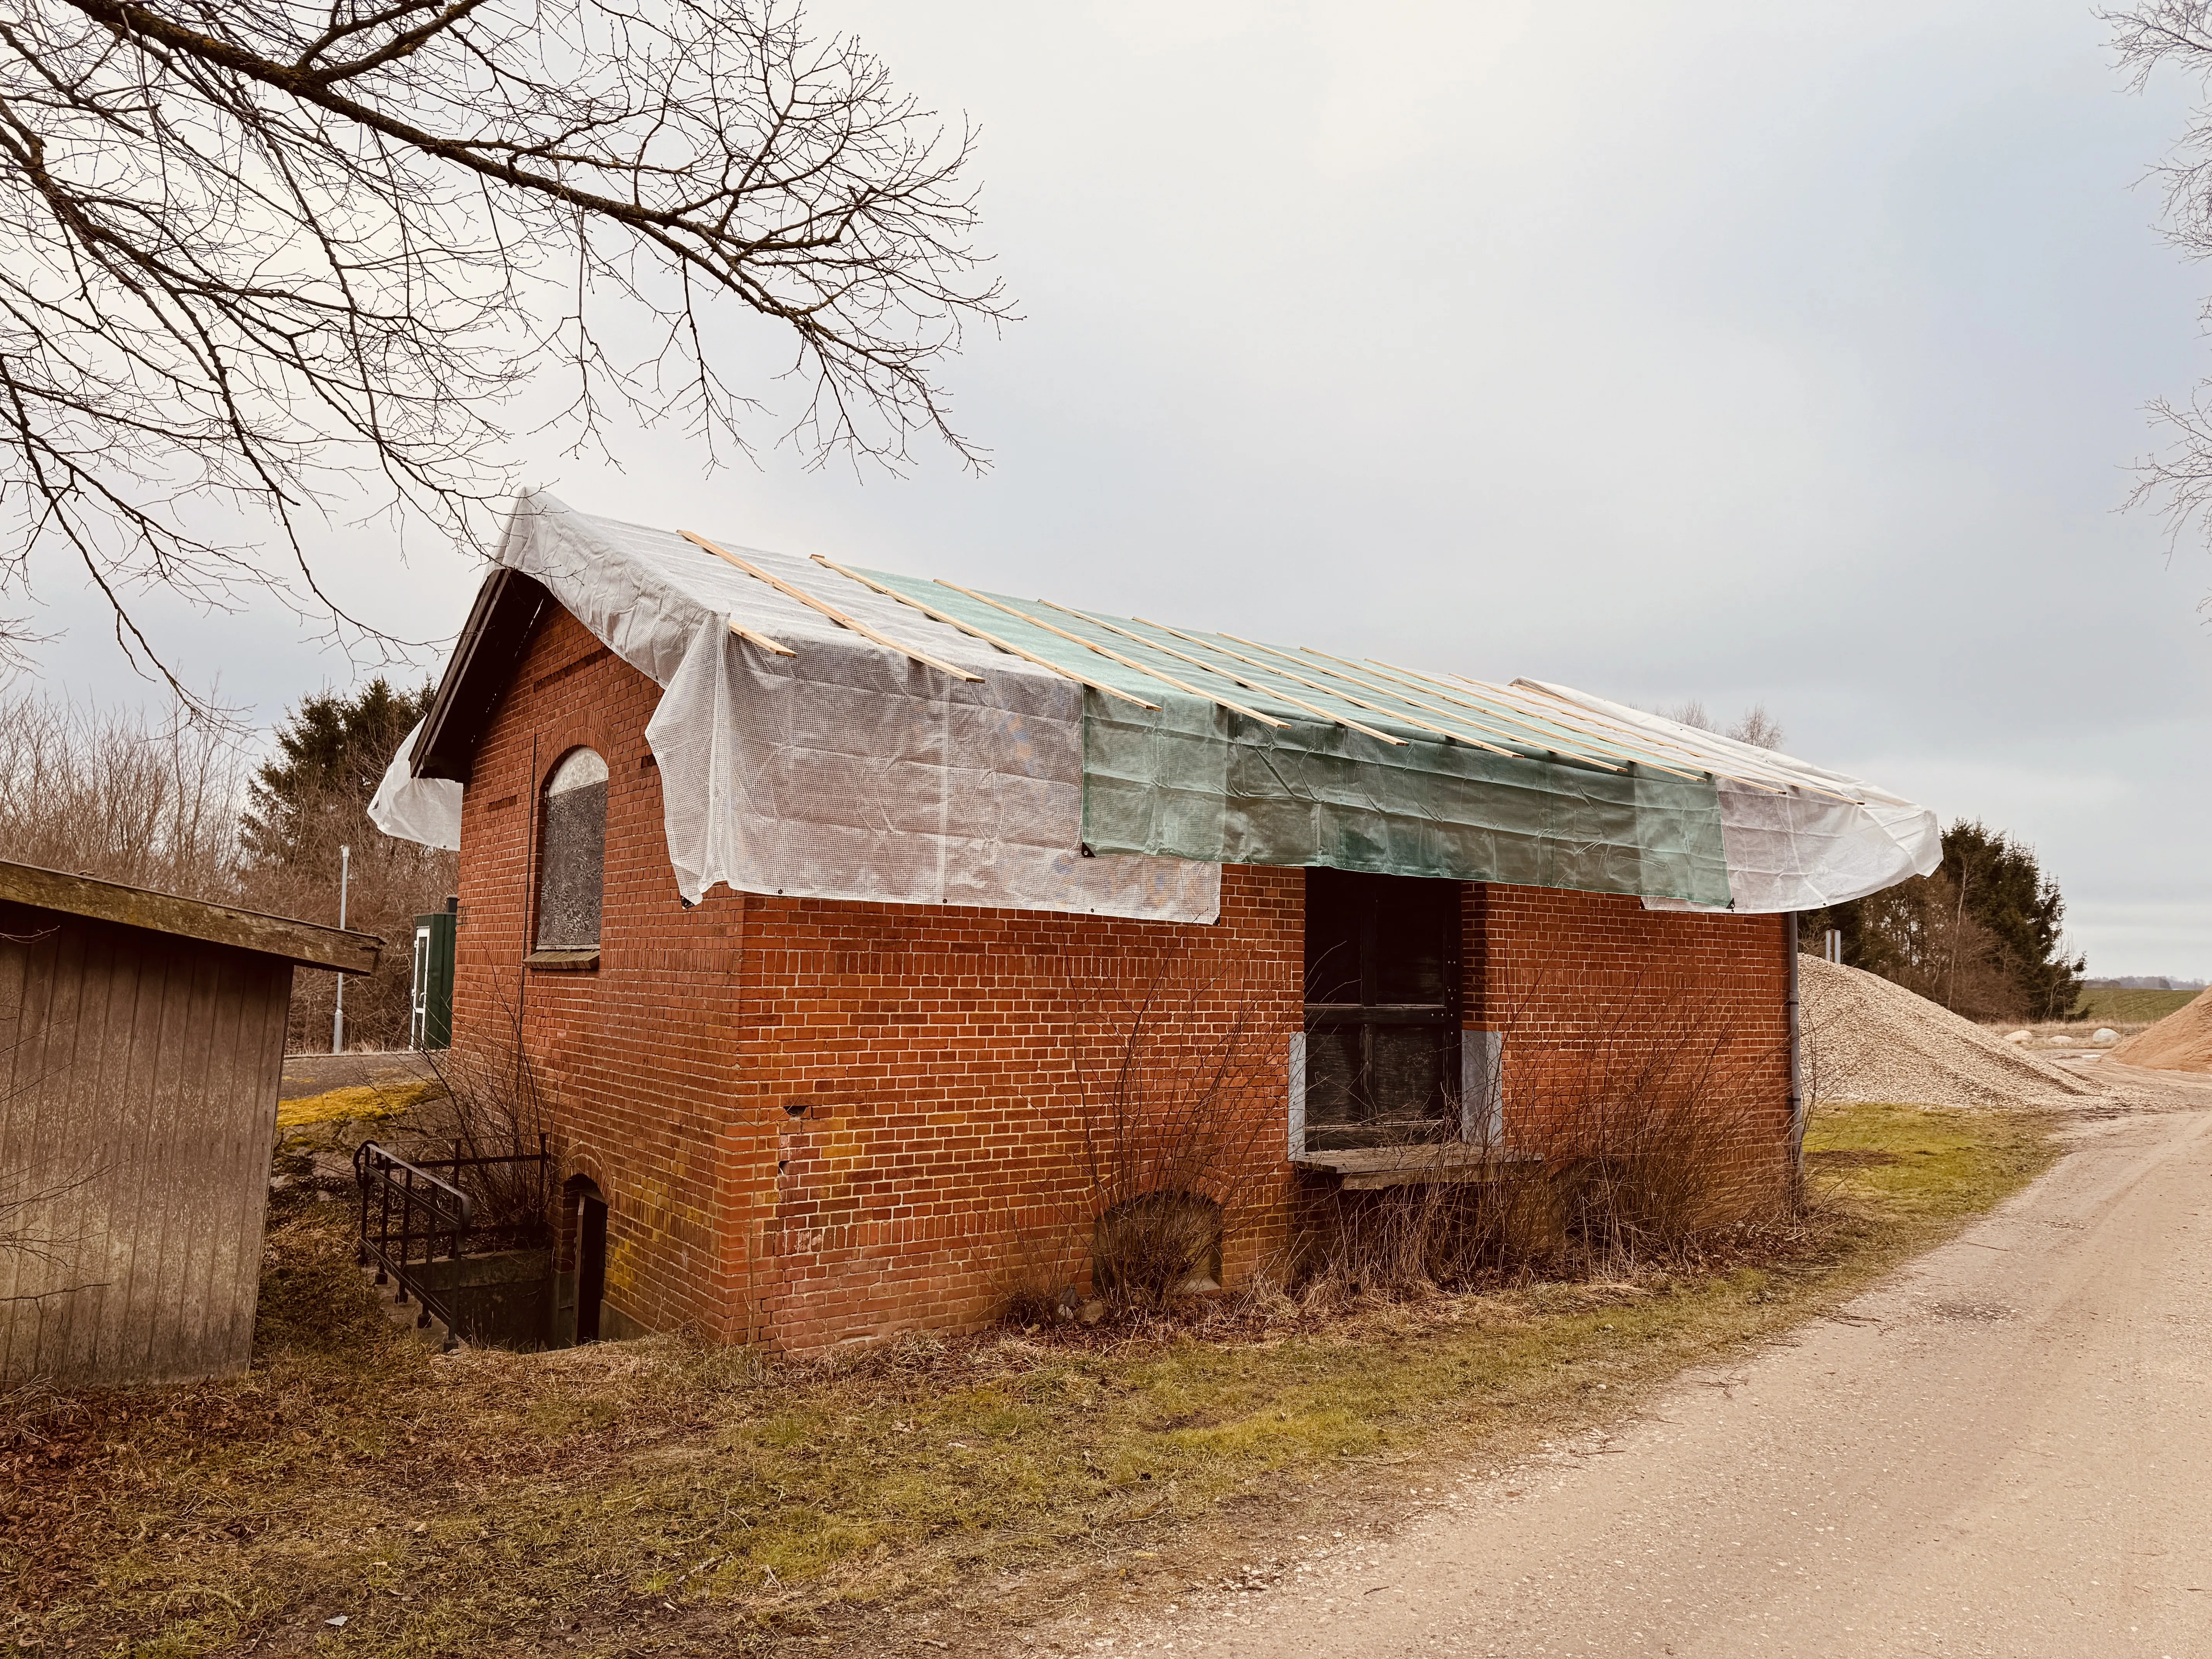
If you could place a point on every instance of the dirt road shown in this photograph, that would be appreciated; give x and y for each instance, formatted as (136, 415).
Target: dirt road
(2005, 1449)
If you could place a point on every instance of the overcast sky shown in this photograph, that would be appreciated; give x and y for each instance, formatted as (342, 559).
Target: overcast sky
(1735, 352)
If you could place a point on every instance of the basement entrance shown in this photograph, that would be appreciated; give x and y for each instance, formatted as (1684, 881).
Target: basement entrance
(591, 1223)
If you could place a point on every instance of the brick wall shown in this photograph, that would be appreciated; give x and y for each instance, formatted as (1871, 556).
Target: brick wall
(819, 1121)
(1607, 1011)
(918, 1066)
(816, 1121)
(639, 1057)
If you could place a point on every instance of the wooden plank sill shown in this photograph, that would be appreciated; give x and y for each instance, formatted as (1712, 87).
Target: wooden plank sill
(563, 962)
(1363, 1169)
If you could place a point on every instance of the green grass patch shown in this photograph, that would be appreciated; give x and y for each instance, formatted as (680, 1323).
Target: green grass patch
(2119, 1007)
(665, 1495)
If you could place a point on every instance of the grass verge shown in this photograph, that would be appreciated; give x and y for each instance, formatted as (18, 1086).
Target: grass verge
(357, 1494)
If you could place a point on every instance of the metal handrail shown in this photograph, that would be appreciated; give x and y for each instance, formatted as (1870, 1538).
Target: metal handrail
(443, 1209)
(435, 1219)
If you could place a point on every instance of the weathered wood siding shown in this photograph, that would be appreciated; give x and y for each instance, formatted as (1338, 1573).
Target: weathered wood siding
(138, 1080)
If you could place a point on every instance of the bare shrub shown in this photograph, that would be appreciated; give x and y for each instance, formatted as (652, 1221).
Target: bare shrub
(1174, 1095)
(112, 794)
(1465, 1214)
(1626, 1154)
(495, 1107)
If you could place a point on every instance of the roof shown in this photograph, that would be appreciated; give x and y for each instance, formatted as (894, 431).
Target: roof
(303, 943)
(506, 613)
(851, 712)
(1128, 658)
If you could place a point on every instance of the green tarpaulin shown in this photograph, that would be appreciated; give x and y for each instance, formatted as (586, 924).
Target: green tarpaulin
(1193, 778)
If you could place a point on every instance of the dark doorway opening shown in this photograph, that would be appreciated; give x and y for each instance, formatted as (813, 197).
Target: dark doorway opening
(1382, 1010)
(591, 1262)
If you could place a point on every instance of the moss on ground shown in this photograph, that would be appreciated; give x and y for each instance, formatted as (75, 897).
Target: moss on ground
(361, 1104)
(663, 1494)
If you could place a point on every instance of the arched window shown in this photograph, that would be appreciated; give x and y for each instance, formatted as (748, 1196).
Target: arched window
(572, 854)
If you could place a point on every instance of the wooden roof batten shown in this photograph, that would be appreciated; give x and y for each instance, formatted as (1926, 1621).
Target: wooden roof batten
(1515, 729)
(1738, 768)
(1393, 713)
(1235, 679)
(1544, 708)
(1579, 740)
(1115, 656)
(1552, 728)
(974, 632)
(790, 590)
(1505, 723)
(1771, 779)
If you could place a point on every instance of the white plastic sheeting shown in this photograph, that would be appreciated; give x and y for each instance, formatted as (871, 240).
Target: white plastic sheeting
(428, 809)
(851, 771)
(846, 771)
(1811, 837)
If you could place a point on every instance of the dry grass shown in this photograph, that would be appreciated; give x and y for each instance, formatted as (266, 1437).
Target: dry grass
(663, 1495)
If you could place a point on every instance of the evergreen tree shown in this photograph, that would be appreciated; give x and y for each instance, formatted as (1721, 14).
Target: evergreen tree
(332, 754)
(1983, 935)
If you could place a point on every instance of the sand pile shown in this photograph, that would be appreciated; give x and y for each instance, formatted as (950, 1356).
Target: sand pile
(1867, 1039)
(2182, 1042)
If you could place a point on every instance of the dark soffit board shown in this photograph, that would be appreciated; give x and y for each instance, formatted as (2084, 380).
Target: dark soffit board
(508, 608)
(303, 943)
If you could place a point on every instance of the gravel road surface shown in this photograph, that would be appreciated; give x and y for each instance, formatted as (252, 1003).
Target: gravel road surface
(2005, 1448)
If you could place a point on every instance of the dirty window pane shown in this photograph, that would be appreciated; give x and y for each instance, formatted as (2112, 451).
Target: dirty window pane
(572, 853)
(1382, 1008)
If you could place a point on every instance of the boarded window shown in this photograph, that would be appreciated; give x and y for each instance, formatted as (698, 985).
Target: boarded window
(1382, 1007)
(572, 854)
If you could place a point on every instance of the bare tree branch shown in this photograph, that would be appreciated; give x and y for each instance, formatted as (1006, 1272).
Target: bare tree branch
(2177, 480)
(257, 255)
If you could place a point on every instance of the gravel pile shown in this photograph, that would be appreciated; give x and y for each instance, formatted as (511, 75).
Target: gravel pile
(2182, 1042)
(1867, 1039)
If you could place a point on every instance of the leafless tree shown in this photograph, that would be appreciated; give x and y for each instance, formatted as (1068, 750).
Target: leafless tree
(2177, 34)
(258, 257)
(157, 801)
(1758, 727)
(122, 795)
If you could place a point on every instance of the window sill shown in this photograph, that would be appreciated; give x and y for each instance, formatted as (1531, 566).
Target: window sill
(564, 961)
(1366, 1168)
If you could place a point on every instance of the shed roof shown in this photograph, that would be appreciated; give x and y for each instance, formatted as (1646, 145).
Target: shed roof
(303, 943)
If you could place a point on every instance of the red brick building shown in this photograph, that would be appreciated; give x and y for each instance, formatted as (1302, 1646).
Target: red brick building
(805, 1120)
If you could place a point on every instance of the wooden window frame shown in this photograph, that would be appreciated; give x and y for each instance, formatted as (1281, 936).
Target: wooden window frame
(1370, 1013)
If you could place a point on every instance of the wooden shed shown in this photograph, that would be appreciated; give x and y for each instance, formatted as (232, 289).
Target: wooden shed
(142, 1046)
